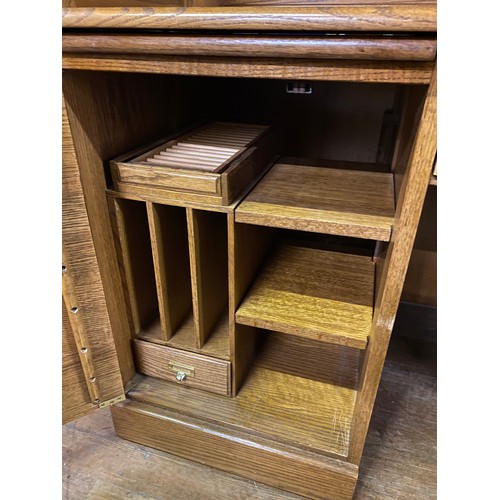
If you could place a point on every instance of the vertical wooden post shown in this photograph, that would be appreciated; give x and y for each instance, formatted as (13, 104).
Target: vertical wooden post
(409, 207)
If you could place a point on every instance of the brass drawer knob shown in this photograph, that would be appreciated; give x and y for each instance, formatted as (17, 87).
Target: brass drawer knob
(181, 371)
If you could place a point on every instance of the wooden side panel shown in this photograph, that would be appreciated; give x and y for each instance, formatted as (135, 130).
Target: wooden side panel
(262, 460)
(208, 257)
(421, 279)
(411, 109)
(248, 246)
(408, 211)
(250, 166)
(84, 296)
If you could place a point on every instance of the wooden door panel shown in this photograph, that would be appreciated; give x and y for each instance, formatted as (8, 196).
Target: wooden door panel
(91, 374)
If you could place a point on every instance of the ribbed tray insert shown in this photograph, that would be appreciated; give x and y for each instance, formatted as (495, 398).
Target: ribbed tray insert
(207, 148)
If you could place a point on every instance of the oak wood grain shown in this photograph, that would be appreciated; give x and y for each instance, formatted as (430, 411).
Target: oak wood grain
(258, 458)
(84, 292)
(240, 176)
(409, 17)
(106, 117)
(137, 255)
(77, 327)
(179, 197)
(283, 397)
(173, 198)
(412, 104)
(216, 346)
(157, 175)
(340, 47)
(421, 278)
(399, 461)
(119, 3)
(311, 3)
(312, 293)
(408, 211)
(332, 201)
(202, 372)
(415, 73)
(76, 401)
(247, 247)
(169, 240)
(135, 471)
(207, 235)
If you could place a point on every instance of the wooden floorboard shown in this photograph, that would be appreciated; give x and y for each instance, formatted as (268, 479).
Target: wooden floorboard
(399, 461)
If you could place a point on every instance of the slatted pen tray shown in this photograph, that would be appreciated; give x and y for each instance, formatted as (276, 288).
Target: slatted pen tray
(209, 164)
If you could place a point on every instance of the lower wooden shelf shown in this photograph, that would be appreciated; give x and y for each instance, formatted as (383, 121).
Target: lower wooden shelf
(313, 293)
(298, 392)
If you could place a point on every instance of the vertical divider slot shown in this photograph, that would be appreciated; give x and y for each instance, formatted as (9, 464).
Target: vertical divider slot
(137, 262)
(169, 242)
(209, 270)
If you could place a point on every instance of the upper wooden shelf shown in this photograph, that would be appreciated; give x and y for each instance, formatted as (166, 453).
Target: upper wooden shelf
(322, 200)
(315, 294)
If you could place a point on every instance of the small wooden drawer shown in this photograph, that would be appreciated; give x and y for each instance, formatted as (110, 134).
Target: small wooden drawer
(212, 164)
(182, 367)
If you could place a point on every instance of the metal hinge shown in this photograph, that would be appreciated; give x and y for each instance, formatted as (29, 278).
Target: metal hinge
(109, 402)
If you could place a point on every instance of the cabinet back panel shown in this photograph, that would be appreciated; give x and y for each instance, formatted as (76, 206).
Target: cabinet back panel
(337, 121)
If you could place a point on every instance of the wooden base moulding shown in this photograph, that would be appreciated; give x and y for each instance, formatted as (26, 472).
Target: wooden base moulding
(237, 452)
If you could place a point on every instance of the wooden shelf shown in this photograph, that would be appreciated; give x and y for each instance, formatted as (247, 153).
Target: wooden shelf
(217, 345)
(323, 200)
(298, 392)
(317, 294)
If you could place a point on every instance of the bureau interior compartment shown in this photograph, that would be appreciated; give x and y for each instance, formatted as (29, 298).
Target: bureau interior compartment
(174, 267)
(313, 286)
(282, 282)
(303, 315)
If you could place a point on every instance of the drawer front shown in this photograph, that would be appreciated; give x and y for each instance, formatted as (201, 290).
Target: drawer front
(167, 178)
(182, 367)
